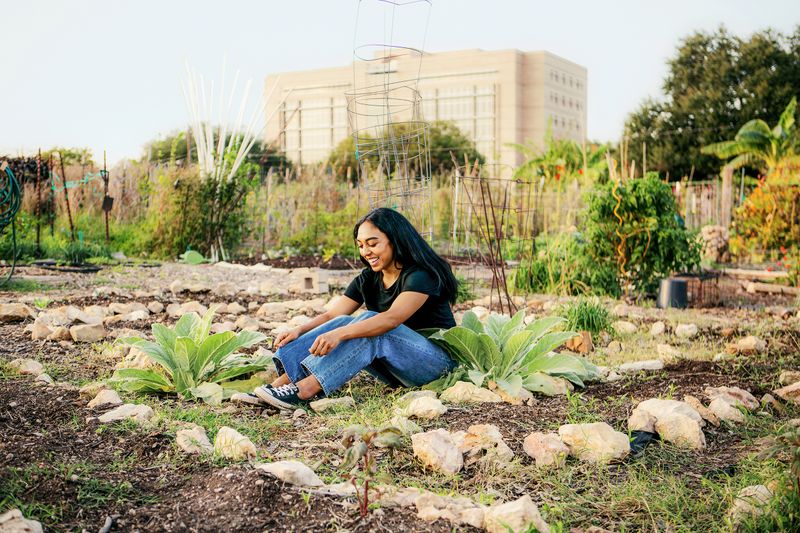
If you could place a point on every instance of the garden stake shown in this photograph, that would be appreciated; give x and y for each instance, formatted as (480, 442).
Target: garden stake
(66, 197)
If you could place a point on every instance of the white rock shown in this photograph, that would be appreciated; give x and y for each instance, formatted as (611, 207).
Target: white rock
(438, 451)
(704, 411)
(675, 421)
(155, 307)
(193, 306)
(174, 310)
(105, 397)
(658, 328)
(614, 347)
(13, 522)
(722, 357)
(235, 308)
(272, 309)
(734, 396)
(222, 327)
(177, 287)
(750, 502)
(15, 312)
(789, 377)
(406, 398)
(686, 331)
(546, 449)
(27, 366)
(292, 472)
(425, 408)
(219, 308)
(60, 333)
(136, 412)
(406, 426)
(519, 515)
(467, 392)
(40, 330)
(483, 442)
(597, 442)
(299, 320)
(194, 440)
(638, 366)
(790, 393)
(327, 404)
(623, 327)
(45, 378)
(247, 323)
(480, 311)
(668, 352)
(750, 345)
(725, 409)
(231, 444)
(457, 510)
(90, 390)
(88, 333)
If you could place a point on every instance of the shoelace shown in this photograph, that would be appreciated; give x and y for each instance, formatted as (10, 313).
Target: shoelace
(285, 390)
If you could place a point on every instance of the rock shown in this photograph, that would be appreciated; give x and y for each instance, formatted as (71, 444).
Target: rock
(27, 366)
(686, 331)
(222, 327)
(406, 398)
(546, 449)
(155, 307)
(174, 310)
(483, 442)
(90, 390)
(231, 444)
(750, 345)
(235, 308)
(136, 412)
(194, 440)
(13, 522)
(425, 408)
(480, 312)
(299, 320)
(658, 328)
(581, 343)
(519, 515)
(15, 312)
(768, 400)
(246, 323)
(597, 442)
(193, 306)
(751, 502)
(613, 376)
(733, 395)
(272, 309)
(40, 330)
(437, 450)
(177, 287)
(88, 333)
(136, 359)
(790, 393)
(722, 357)
(704, 411)
(328, 404)
(727, 333)
(105, 397)
(457, 510)
(292, 472)
(668, 352)
(675, 421)
(614, 347)
(219, 308)
(638, 366)
(406, 426)
(467, 392)
(46, 378)
(226, 288)
(60, 333)
(524, 396)
(726, 410)
(623, 327)
(789, 377)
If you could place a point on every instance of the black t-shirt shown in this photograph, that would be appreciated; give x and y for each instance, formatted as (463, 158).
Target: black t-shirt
(367, 288)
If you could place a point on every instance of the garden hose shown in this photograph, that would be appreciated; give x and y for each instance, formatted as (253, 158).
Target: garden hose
(10, 197)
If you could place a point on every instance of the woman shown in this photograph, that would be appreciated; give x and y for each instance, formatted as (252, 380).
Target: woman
(405, 286)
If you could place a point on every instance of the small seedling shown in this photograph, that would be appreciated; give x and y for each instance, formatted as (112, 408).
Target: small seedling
(358, 442)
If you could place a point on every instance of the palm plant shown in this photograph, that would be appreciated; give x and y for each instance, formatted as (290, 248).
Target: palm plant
(756, 144)
(192, 362)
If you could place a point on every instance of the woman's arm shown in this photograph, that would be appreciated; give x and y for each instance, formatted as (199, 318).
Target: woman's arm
(406, 304)
(343, 306)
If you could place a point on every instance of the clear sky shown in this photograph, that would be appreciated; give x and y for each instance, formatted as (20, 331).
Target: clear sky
(107, 73)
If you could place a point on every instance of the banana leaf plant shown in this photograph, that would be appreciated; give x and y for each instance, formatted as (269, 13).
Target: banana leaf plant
(512, 354)
(191, 362)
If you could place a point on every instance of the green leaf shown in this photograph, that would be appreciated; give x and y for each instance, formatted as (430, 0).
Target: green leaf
(157, 353)
(390, 437)
(512, 385)
(515, 349)
(211, 393)
(555, 364)
(543, 325)
(494, 326)
(243, 339)
(164, 336)
(471, 322)
(206, 350)
(186, 324)
(466, 346)
(183, 378)
(138, 380)
(203, 326)
(548, 343)
(477, 377)
(540, 382)
(230, 373)
(511, 327)
(490, 352)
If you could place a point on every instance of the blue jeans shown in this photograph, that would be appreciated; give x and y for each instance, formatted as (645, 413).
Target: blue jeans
(398, 357)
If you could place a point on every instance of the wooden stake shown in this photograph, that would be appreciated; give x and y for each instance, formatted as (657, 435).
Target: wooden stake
(66, 197)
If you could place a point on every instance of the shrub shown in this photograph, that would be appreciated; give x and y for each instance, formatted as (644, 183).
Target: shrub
(634, 227)
(586, 314)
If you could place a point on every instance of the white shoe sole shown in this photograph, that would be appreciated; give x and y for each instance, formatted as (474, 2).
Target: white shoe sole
(268, 398)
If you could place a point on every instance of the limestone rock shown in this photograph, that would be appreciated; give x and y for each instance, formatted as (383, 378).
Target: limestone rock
(155, 307)
(733, 395)
(174, 310)
(457, 510)
(546, 449)
(767, 400)
(750, 502)
(90, 390)
(15, 312)
(658, 328)
(27, 366)
(235, 308)
(292, 472)
(519, 515)
(177, 287)
(425, 408)
(136, 359)
(707, 414)
(789, 377)
(46, 378)
(468, 392)
(88, 333)
(437, 450)
(406, 398)
(597, 442)
(750, 345)
(231, 444)
(524, 396)
(194, 440)
(686, 331)
(406, 426)
(638, 366)
(222, 327)
(790, 393)
(675, 421)
(725, 409)
(614, 347)
(272, 309)
(193, 306)
(105, 397)
(483, 442)
(247, 323)
(668, 352)
(40, 330)
(13, 522)
(60, 333)
(623, 327)
(136, 412)
(327, 404)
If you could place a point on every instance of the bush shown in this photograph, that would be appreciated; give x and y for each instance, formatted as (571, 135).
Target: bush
(586, 314)
(633, 227)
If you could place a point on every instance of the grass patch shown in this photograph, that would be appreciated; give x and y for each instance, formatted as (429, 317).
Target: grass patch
(27, 285)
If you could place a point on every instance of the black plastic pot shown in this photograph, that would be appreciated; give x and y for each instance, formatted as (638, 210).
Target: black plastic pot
(672, 293)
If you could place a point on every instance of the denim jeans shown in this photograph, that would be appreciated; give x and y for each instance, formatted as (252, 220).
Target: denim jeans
(398, 357)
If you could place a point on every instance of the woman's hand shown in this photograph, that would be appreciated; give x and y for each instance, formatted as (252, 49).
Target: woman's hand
(286, 337)
(326, 342)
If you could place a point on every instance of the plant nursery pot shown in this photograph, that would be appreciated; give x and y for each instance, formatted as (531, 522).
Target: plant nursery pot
(672, 293)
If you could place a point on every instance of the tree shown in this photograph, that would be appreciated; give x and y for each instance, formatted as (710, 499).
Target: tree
(758, 145)
(716, 82)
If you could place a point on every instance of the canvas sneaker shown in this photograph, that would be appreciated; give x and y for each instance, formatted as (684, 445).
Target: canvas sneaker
(247, 398)
(283, 397)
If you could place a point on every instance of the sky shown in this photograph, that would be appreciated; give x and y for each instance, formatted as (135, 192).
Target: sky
(106, 74)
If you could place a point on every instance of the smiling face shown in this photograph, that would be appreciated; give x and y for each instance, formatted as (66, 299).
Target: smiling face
(374, 246)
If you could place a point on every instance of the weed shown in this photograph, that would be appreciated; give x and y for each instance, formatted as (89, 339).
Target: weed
(586, 314)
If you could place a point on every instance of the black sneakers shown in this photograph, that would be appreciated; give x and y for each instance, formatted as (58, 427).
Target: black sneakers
(283, 397)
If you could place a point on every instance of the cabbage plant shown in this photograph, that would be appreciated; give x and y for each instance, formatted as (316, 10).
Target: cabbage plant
(514, 355)
(191, 362)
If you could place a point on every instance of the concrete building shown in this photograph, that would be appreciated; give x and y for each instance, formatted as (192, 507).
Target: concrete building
(496, 97)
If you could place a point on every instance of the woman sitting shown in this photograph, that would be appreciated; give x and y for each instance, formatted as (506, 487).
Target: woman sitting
(405, 287)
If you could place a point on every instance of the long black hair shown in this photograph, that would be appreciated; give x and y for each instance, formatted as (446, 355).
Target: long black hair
(410, 248)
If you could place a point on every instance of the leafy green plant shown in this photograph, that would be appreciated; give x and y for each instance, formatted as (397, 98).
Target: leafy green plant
(357, 441)
(192, 363)
(464, 292)
(192, 257)
(77, 252)
(514, 355)
(586, 314)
